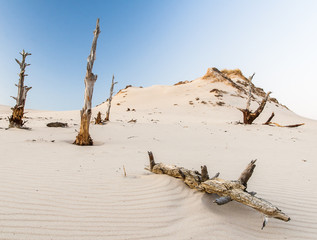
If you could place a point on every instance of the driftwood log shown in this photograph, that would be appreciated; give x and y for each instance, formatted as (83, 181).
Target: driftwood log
(248, 115)
(18, 110)
(228, 190)
(270, 123)
(83, 137)
(110, 99)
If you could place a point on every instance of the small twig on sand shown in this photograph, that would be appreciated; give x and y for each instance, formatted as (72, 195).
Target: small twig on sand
(124, 172)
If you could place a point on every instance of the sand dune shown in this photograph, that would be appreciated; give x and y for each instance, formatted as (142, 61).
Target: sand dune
(52, 189)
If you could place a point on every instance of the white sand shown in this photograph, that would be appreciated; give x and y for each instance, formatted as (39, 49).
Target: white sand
(56, 190)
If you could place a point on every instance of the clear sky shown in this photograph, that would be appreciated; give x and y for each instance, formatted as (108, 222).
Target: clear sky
(150, 42)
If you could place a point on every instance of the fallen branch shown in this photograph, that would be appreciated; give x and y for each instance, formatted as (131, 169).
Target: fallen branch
(289, 126)
(268, 122)
(227, 190)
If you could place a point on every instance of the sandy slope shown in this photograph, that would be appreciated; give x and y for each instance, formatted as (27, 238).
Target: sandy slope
(51, 189)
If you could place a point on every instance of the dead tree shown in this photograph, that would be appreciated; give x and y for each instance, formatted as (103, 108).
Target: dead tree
(248, 116)
(110, 99)
(227, 190)
(83, 137)
(18, 110)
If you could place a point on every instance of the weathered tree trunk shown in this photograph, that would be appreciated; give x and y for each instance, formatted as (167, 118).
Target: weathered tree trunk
(18, 110)
(110, 99)
(98, 118)
(227, 190)
(248, 116)
(83, 137)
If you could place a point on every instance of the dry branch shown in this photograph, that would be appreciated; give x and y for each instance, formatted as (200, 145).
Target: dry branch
(83, 137)
(289, 126)
(268, 122)
(227, 190)
(18, 110)
(219, 75)
(110, 99)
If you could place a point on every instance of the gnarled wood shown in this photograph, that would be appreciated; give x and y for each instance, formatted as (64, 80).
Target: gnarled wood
(227, 190)
(15, 119)
(248, 116)
(110, 99)
(83, 137)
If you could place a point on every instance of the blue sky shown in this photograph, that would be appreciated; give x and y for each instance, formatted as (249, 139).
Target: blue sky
(150, 42)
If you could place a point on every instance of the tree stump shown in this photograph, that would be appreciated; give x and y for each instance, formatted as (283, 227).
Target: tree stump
(98, 118)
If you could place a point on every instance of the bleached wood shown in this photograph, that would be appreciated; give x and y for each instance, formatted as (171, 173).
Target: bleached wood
(83, 138)
(229, 190)
(110, 99)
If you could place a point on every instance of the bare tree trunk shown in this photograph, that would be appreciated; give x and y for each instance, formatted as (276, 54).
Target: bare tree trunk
(110, 99)
(248, 116)
(83, 137)
(227, 190)
(18, 110)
